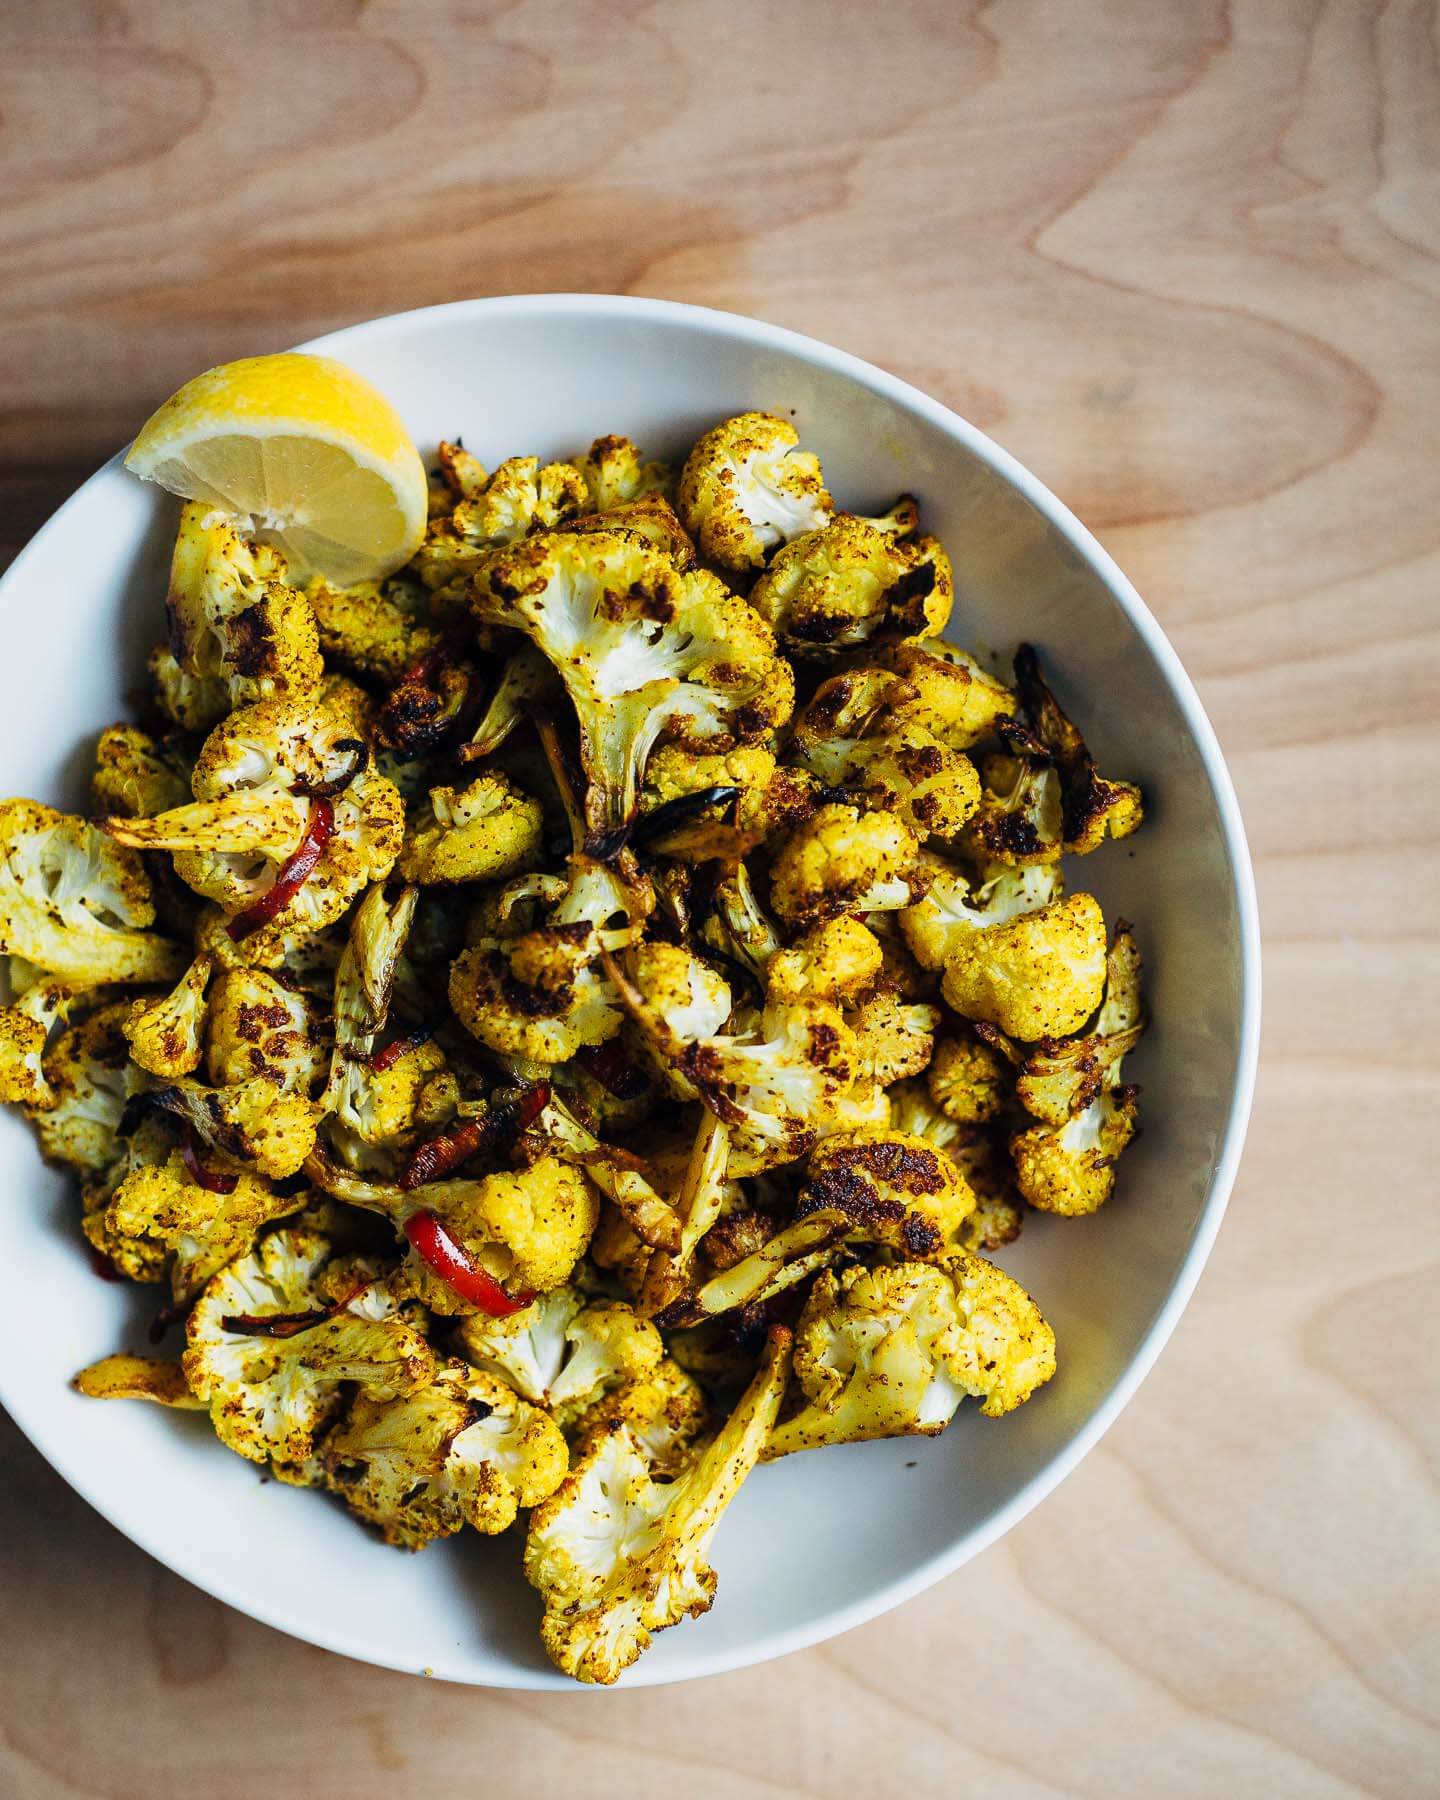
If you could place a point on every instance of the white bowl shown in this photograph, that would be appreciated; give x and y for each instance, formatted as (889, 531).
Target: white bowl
(819, 1542)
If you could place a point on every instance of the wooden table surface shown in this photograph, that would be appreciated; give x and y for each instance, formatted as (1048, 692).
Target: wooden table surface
(1181, 257)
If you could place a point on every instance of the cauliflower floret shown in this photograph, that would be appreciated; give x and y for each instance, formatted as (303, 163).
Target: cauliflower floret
(893, 1037)
(251, 1121)
(1018, 820)
(41, 1003)
(645, 653)
(157, 1207)
(526, 1227)
(1039, 975)
(237, 632)
(1093, 808)
(1061, 1076)
(664, 1410)
(687, 993)
(561, 1353)
(836, 961)
(260, 1026)
(1070, 1168)
(652, 520)
(903, 1192)
(271, 1388)
(953, 907)
(892, 1351)
(134, 776)
(968, 1081)
(74, 904)
(617, 1555)
(834, 590)
(615, 474)
(482, 832)
(519, 498)
(375, 628)
(945, 693)
(718, 806)
(519, 1021)
(463, 1450)
(166, 1035)
(254, 784)
(87, 1071)
(746, 487)
(845, 861)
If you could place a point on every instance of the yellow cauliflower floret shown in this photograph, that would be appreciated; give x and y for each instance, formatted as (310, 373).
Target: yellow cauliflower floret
(197, 1231)
(903, 1192)
(1039, 975)
(165, 1035)
(260, 1026)
(954, 906)
(562, 1353)
(252, 1121)
(519, 498)
(831, 591)
(463, 1450)
(75, 904)
(87, 1070)
(893, 1037)
(615, 474)
(527, 1227)
(133, 776)
(892, 1351)
(519, 1020)
(1093, 808)
(268, 1394)
(746, 487)
(481, 832)
(837, 961)
(762, 799)
(845, 861)
(946, 693)
(617, 1555)
(237, 631)
(22, 1053)
(968, 1081)
(1070, 1168)
(664, 1409)
(375, 628)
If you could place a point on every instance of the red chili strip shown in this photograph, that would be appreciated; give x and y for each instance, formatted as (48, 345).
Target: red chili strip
(276, 1325)
(458, 1269)
(212, 1180)
(444, 1153)
(391, 1054)
(293, 874)
(102, 1265)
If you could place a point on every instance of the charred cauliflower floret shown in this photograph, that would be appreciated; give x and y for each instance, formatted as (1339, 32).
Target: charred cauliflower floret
(260, 777)
(1018, 819)
(645, 654)
(1070, 1168)
(703, 807)
(134, 776)
(903, 1192)
(954, 905)
(1093, 808)
(481, 832)
(664, 1409)
(41, 1004)
(835, 590)
(378, 629)
(519, 498)
(237, 631)
(270, 1353)
(257, 1025)
(618, 1556)
(252, 1122)
(746, 487)
(845, 861)
(892, 1351)
(75, 904)
(616, 474)
(462, 1450)
(562, 1353)
(968, 1081)
(1039, 975)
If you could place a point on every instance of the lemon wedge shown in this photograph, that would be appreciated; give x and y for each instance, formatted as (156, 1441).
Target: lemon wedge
(300, 450)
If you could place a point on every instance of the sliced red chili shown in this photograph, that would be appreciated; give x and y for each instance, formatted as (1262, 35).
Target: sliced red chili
(458, 1269)
(391, 1054)
(102, 1265)
(276, 1325)
(214, 1181)
(442, 1154)
(293, 875)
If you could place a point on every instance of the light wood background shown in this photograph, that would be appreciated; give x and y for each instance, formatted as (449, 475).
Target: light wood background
(1181, 257)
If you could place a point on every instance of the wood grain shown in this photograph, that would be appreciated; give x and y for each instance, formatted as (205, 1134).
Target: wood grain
(1183, 259)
